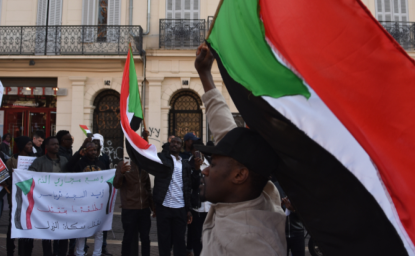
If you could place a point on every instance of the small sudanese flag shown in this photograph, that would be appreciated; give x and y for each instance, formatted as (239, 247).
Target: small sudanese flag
(24, 204)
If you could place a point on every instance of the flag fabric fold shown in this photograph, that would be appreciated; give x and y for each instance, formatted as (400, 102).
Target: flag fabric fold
(139, 150)
(331, 91)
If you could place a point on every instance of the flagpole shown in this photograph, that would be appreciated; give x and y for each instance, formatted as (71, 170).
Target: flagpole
(139, 94)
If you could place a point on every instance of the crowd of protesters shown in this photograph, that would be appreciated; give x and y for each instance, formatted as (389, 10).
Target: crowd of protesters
(220, 193)
(54, 154)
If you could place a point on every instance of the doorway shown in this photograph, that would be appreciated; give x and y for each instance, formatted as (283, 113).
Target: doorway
(185, 114)
(107, 123)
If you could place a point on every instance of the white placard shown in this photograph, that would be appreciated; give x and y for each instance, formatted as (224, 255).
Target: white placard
(24, 162)
(62, 205)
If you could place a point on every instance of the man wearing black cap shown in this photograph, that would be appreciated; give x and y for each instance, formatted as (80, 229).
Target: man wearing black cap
(246, 217)
(25, 245)
(188, 139)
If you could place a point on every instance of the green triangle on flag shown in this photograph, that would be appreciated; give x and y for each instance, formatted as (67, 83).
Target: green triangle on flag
(111, 181)
(26, 185)
(134, 103)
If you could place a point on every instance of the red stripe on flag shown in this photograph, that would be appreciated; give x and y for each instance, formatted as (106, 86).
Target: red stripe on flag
(125, 91)
(362, 74)
(31, 205)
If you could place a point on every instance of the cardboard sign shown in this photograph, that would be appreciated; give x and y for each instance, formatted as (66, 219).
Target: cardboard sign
(4, 173)
(24, 162)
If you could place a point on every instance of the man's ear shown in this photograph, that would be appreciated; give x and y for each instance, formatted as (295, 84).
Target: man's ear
(240, 175)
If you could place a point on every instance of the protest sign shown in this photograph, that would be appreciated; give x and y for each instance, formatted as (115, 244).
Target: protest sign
(62, 205)
(24, 162)
(1, 92)
(4, 173)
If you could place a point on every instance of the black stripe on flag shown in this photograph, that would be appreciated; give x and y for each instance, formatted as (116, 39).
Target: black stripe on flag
(109, 198)
(343, 218)
(18, 213)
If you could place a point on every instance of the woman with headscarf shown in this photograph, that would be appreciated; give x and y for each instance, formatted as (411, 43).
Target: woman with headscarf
(5, 146)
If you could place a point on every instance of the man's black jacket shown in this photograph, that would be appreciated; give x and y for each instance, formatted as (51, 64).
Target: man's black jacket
(164, 176)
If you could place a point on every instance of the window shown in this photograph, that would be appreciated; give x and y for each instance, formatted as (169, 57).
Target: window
(182, 9)
(105, 14)
(50, 12)
(392, 10)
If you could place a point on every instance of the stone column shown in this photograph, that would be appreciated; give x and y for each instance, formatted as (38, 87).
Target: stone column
(153, 119)
(77, 117)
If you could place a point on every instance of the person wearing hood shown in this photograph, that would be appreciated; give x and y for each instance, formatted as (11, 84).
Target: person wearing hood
(25, 246)
(98, 139)
(5, 146)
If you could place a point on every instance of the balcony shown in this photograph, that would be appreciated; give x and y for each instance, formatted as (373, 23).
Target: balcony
(181, 33)
(403, 32)
(70, 40)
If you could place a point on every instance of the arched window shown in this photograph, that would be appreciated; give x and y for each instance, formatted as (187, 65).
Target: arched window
(107, 123)
(185, 114)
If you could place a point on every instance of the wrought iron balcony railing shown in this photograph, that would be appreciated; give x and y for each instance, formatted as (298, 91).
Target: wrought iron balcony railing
(181, 33)
(403, 32)
(70, 40)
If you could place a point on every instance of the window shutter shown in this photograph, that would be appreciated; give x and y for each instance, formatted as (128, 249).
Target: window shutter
(182, 9)
(89, 17)
(1, 4)
(392, 10)
(55, 13)
(89, 12)
(169, 9)
(384, 10)
(42, 8)
(114, 20)
(114, 12)
(404, 10)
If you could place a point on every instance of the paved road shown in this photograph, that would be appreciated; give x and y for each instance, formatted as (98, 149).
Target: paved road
(114, 236)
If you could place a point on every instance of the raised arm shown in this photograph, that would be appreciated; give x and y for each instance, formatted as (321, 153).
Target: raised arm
(218, 114)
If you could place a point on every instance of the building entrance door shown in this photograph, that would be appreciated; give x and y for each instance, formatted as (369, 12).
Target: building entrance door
(24, 122)
(185, 114)
(107, 123)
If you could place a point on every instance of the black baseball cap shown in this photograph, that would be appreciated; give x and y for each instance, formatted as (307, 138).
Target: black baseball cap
(248, 148)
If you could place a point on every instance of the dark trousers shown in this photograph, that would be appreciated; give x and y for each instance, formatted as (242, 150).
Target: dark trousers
(195, 230)
(171, 230)
(10, 242)
(296, 243)
(25, 246)
(60, 246)
(133, 223)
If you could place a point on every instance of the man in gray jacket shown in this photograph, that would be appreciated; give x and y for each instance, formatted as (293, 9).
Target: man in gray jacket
(246, 217)
(51, 162)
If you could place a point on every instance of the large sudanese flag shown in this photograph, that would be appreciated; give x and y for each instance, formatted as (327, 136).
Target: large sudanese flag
(333, 93)
(24, 204)
(140, 151)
